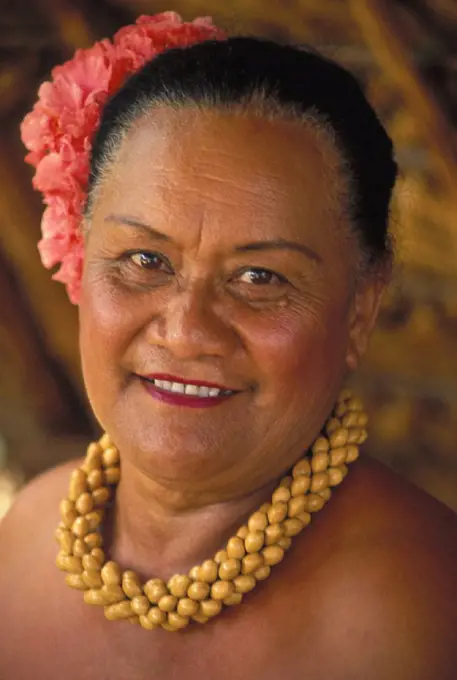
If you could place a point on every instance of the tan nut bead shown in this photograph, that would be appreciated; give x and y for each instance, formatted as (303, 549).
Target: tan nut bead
(168, 603)
(177, 621)
(111, 574)
(112, 593)
(278, 512)
(179, 584)
(244, 583)
(339, 438)
(352, 454)
(156, 616)
(272, 555)
(233, 599)
(301, 469)
(273, 533)
(187, 607)
(194, 573)
(300, 486)
(208, 571)
(101, 496)
(263, 572)
(198, 591)
(112, 475)
(258, 521)
(210, 608)
(338, 456)
(281, 495)
(93, 540)
(321, 445)
(250, 563)
(284, 543)
(140, 605)
(84, 503)
(95, 479)
(131, 584)
(319, 482)
(315, 502)
(121, 610)
(66, 540)
(335, 476)
(221, 556)
(92, 578)
(155, 589)
(320, 462)
(78, 484)
(147, 624)
(75, 581)
(229, 569)
(235, 548)
(220, 590)
(254, 541)
(110, 457)
(296, 506)
(292, 527)
(69, 563)
(242, 532)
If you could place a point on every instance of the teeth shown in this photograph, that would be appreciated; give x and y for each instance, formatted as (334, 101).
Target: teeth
(191, 390)
(177, 387)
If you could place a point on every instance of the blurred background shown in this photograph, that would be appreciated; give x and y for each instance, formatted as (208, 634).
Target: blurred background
(405, 52)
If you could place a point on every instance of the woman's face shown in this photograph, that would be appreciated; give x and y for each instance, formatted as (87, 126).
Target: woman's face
(218, 253)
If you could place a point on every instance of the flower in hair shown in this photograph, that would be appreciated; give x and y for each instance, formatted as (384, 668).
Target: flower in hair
(58, 132)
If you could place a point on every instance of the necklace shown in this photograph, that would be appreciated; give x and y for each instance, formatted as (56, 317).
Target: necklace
(224, 580)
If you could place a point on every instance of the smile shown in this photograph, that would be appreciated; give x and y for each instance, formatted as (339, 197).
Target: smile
(190, 389)
(176, 392)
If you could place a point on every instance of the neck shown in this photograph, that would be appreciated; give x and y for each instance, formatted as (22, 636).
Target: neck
(158, 533)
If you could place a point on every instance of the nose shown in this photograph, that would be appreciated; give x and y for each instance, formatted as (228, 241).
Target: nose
(192, 326)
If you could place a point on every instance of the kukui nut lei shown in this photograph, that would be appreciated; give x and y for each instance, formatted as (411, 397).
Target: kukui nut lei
(224, 580)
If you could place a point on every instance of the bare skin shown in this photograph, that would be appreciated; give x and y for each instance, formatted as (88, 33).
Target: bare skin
(368, 591)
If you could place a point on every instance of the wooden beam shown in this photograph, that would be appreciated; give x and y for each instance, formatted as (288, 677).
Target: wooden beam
(382, 31)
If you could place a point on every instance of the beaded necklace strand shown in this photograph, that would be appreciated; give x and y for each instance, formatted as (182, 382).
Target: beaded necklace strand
(224, 580)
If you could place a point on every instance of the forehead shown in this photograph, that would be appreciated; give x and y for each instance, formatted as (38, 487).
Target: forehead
(211, 164)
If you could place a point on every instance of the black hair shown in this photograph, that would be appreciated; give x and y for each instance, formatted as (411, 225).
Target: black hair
(235, 71)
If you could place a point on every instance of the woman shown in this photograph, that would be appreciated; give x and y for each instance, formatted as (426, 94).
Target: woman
(235, 254)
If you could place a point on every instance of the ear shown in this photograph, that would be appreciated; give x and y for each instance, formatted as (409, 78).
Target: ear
(364, 312)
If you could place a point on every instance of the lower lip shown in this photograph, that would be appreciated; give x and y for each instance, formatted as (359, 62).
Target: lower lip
(178, 399)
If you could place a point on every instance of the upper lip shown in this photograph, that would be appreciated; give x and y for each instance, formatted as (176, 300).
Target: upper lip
(187, 381)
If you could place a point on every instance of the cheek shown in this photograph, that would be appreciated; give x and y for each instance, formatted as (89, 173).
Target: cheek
(106, 324)
(303, 353)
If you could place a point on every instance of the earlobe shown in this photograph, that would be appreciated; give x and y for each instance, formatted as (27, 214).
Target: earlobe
(365, 310)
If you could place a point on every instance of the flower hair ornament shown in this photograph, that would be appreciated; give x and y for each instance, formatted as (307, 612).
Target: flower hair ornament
(58, 132)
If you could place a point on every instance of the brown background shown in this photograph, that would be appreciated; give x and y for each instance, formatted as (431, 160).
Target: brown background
(406, 54)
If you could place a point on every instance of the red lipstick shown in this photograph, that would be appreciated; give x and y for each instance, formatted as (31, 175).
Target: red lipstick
(180, 398)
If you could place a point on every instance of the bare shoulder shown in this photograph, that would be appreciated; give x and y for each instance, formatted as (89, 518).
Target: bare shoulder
(27, 544)
(35, 506)
(391, 584)
(32, 600)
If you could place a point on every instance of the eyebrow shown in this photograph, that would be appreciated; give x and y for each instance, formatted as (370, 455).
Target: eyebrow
(257, 246)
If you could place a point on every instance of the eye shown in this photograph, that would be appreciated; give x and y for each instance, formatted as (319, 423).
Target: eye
(261, 277)
(149, 261)
(258, 285)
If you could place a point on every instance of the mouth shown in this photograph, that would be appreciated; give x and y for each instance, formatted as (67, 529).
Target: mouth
(177, 391)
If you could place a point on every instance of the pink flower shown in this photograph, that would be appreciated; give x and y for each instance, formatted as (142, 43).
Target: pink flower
(58, 131)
